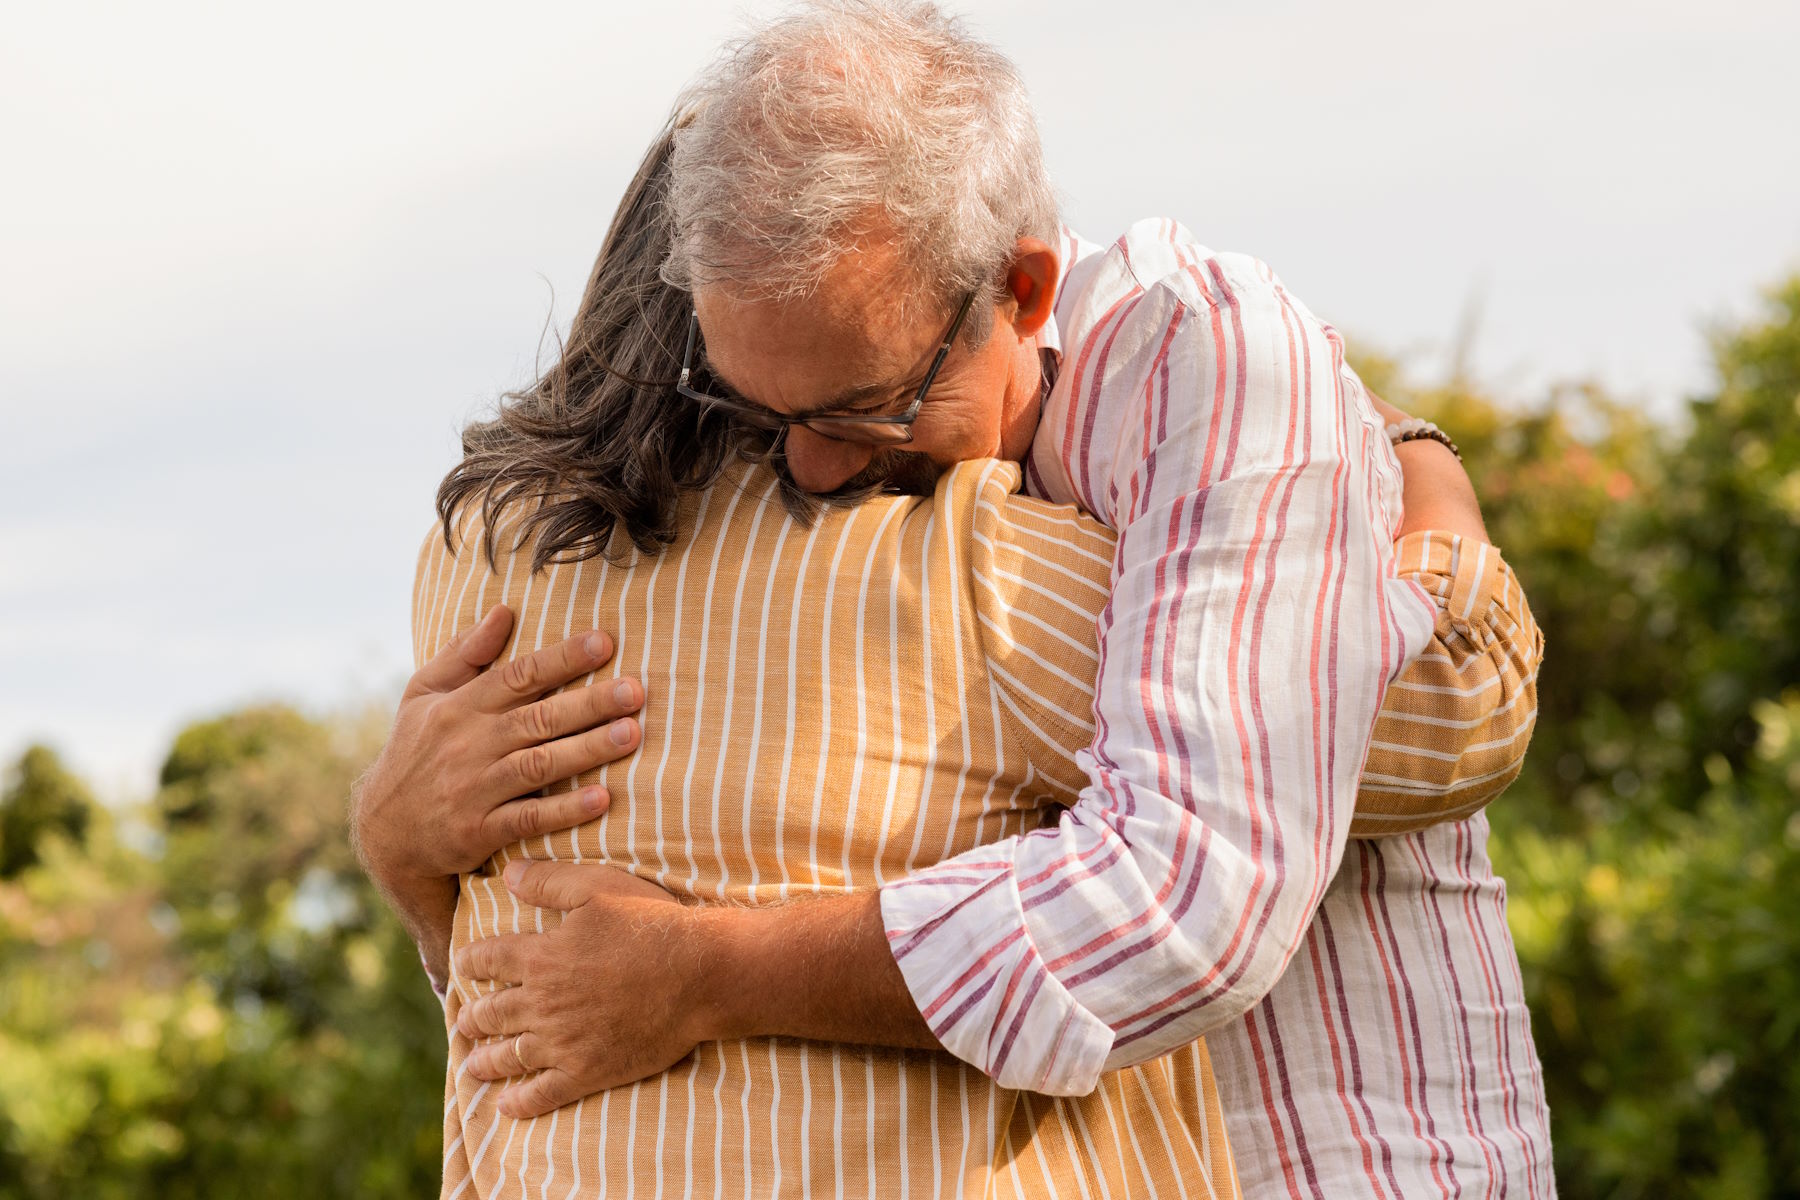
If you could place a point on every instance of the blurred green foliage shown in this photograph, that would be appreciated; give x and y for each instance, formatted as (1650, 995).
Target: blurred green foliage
(202, 997)
(41, 801)
(1652, 845)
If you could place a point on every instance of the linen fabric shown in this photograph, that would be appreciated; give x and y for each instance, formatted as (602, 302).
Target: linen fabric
(827, 708)
(1254, 622)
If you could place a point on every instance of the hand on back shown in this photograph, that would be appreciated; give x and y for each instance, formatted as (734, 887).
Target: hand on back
(472, 747)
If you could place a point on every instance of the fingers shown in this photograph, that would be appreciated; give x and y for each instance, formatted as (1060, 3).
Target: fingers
(534, 767)
(501, 1059)
(575, 710)
(462, 659)
(495, 959)
(542, 1093)
(536, 816)
(522, 680)
(559, 885)
(496, 1014)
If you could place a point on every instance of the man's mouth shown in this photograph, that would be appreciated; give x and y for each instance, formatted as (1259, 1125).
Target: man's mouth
(890, 471)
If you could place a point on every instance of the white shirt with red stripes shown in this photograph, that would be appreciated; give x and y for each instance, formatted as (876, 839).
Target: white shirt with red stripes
(1254, 624)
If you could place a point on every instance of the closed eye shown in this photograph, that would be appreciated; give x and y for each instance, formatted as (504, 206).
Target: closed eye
(875, 408)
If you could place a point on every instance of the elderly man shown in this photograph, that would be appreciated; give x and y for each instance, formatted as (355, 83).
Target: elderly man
(1252, 627)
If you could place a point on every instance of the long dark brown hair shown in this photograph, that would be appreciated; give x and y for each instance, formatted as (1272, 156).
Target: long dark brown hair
(602, 443)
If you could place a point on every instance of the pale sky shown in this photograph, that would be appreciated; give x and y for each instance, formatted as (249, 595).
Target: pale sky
(258, 264)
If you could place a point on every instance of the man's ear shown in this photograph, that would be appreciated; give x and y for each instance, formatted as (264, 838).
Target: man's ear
(1031, 283)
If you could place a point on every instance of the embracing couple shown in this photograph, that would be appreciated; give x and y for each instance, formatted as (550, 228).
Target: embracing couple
(972, 711)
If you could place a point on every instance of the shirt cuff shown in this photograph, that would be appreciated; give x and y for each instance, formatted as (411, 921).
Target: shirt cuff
(962, 943)
(1474, 590)
(1454, 727)
(439, 988)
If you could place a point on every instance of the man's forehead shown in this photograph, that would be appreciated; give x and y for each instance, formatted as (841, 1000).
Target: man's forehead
(846, 335)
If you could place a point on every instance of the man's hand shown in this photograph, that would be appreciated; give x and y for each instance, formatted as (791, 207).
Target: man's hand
(452, 786)
(630, 982)
(608, 997)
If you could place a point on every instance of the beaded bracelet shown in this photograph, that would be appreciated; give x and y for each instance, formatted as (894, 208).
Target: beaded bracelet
(1414, 428)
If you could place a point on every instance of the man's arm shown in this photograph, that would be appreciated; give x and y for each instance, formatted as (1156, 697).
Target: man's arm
(1253, 627)
(1435, 490)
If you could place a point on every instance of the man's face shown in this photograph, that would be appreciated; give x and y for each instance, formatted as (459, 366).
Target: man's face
(850, 349)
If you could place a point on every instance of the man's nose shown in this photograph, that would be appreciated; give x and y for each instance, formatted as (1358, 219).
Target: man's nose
(821, 464)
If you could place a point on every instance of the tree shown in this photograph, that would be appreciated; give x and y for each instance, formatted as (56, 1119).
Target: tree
(1652, 846)
(42, 799)
(234, 1014)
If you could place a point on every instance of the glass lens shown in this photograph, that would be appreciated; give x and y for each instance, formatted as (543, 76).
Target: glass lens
(877, 433)
(748, 414)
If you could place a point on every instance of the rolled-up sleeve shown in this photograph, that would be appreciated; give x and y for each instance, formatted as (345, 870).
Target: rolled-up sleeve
(1254, 624)
(1453, 730)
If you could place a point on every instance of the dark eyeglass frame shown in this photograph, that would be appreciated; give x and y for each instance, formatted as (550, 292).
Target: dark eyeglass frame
(842, 427)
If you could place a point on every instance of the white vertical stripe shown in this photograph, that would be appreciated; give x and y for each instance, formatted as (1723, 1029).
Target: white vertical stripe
(647, 587)
(549, 1157)
(757, 704)
(806, 1125)
(679, 603)
(851, 876)
(701, 704)
(1059, 1108)
(733, 646)
(775, 1122)
(631, 1128)
(831, 579)
(787, 750)
(575, 1151)
(600, 1143)
(927, 652)
(718, 1164)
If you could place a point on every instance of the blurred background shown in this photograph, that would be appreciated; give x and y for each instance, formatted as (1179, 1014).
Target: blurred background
(261, 262)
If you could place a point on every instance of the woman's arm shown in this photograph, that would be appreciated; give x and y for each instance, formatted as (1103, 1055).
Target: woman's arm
(1454, 727)
(1435, 490)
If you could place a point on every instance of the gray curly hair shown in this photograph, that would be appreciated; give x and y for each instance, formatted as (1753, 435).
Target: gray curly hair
(854, 118)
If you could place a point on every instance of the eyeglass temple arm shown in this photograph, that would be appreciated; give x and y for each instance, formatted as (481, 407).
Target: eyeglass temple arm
(937, 363)
(687, 355)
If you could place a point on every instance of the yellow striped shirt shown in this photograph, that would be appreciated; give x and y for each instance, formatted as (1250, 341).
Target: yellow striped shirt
(830, 708)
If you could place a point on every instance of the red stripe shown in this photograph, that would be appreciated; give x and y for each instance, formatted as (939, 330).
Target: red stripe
(1323, 933)
(1387, 941)
(1496, 996)
(1471, 1102)
(1117, 316)
(1269, 1107)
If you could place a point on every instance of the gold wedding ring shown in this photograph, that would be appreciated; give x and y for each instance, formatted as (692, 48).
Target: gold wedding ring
(519, 1053)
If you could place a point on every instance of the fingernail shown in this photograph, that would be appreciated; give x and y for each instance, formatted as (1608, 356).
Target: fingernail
(515, 871)
(596, 645)
(594, 799)
(623, 691)
(621, 733)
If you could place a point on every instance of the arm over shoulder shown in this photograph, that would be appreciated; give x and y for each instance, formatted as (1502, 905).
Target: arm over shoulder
(1453, 730)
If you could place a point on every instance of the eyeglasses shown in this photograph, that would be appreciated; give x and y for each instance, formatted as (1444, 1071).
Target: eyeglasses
(842, 427)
